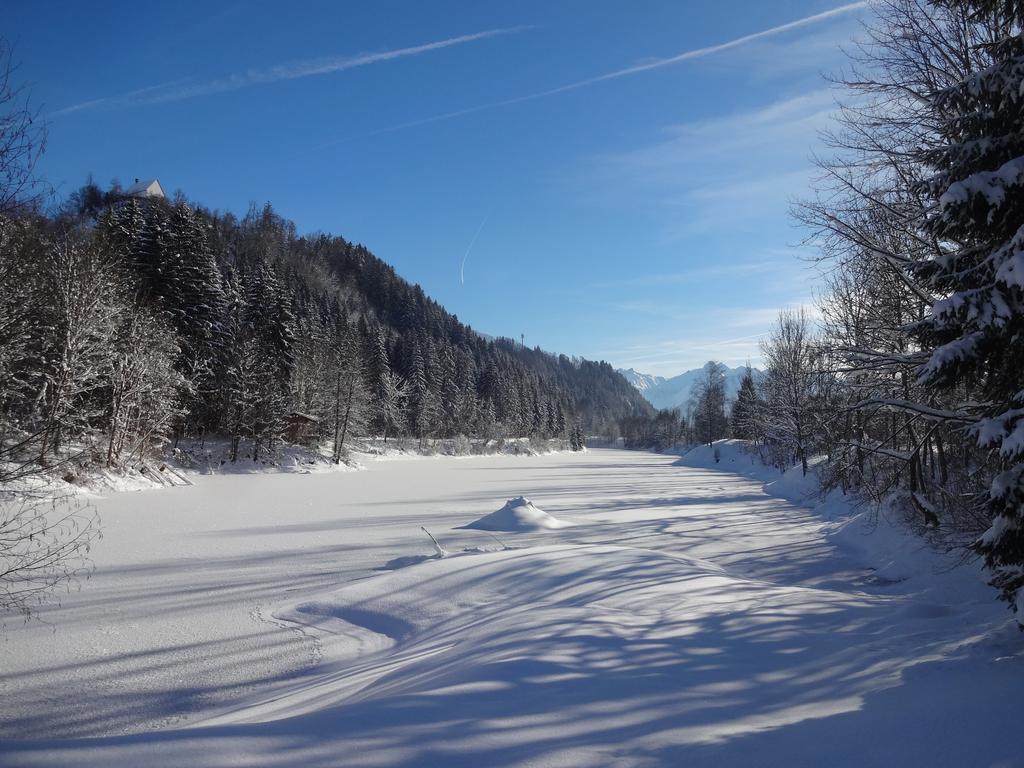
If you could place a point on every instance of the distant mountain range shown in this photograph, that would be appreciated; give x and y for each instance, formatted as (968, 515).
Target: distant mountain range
(675, 392)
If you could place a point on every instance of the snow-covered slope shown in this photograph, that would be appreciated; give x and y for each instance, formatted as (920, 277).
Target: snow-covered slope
(675, 392)
(644, 382)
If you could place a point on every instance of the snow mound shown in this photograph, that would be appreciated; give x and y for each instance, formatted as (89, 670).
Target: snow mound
(518, 514)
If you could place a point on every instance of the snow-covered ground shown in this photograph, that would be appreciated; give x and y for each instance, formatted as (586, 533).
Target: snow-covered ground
(685, 617)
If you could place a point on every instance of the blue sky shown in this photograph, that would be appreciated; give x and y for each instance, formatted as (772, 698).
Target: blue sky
(622, 171)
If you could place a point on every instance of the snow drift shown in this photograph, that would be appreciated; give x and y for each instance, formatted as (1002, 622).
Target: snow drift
(518, 514)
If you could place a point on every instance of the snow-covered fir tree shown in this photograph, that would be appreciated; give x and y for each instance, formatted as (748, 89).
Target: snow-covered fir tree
(974, 332)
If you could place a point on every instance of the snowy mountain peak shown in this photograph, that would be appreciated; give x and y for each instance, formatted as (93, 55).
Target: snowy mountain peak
(642, 381)
(675, 392)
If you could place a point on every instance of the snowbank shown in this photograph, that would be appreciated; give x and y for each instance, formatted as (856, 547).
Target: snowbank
(85, 472)
(518, 514)
(213, 456)
(460, 447)
(878, 540)
(729, 456)
(741, 457)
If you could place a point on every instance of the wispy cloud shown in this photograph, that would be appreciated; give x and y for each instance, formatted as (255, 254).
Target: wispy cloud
(706, 181)
(672, 356)
(767, 262)
(647, 66)
(187, 89)
(723, 334)
(462, 266)
(794, 119)
(704, 174)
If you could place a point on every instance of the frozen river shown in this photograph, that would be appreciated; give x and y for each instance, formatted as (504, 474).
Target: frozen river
(685, 617)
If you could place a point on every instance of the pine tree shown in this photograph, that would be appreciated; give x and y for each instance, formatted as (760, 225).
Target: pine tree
(577, 441)
(450, 393)
(391, 403)
(469, 402)
(150, 255)
(269, 315)
(378, 378)
(487, 421)
(975, 331)
(233, 365)
(311, 392)
(198, 303)
(423, 408)
(270, 356)
(743, 421)
(120, 230)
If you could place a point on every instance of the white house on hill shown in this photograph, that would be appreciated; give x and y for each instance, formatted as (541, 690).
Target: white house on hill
(145, 188)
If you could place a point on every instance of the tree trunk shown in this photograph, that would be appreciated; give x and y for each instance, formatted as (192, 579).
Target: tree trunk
(336, 454)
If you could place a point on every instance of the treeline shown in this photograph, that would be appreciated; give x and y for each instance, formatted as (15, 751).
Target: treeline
(126, 321)
(911, 386)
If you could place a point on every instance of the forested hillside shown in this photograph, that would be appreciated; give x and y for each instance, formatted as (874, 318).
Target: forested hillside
(128, 319)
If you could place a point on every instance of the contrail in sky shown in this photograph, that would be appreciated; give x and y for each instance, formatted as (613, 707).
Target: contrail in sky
(462, 269)
(183, 89)
(696, 53)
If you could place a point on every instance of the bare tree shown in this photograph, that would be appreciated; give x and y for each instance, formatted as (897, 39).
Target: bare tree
(44, 545)
(709, 417)
(19, 328)
(22, 140)
(350, 397)
(789, 389)
(82, 314)
(144, 389)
